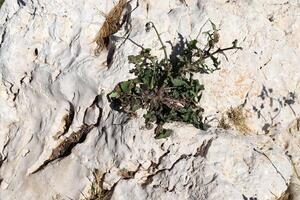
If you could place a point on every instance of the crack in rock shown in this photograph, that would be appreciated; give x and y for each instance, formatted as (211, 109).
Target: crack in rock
(66, 122)
(203, 149)
(65, 147)
(150, 177)
(262, 153)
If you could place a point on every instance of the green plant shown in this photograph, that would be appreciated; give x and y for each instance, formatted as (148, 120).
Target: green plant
(165, 88)
(1, 2)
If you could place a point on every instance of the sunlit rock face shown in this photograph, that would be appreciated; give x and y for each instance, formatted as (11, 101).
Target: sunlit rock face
(57, 126)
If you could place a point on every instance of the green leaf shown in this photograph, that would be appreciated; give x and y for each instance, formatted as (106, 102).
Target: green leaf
(135, 59)
(197, 87)
(192, 44)
(177, 82)
(150, 116)
(113, 95)
(213, 26)
(164, 133)
(148, 79)
(176, 94)
(125, 86)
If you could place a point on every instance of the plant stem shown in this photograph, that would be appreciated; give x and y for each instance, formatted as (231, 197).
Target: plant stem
(133, 42)
(219, 50)
(160, 40)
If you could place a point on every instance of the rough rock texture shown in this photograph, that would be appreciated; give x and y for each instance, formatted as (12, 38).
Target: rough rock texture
(56, 125)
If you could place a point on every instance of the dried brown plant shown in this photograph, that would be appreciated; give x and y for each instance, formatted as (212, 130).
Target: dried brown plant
(111, 25)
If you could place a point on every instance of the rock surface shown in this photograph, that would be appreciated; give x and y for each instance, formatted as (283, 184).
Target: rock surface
(56, 125)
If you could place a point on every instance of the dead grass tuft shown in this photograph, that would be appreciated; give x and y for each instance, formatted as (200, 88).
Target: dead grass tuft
(223, 124)
(110, 26)
(294, 127)
(236, 118)
(97, 192)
